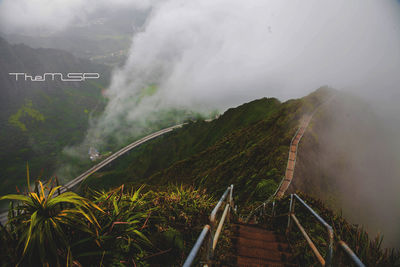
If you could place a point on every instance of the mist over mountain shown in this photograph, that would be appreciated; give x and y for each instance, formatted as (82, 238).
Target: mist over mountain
(39, 118)
(350, 159)
(102, 35)
(207, 55)
(345, 158)
(176, 60)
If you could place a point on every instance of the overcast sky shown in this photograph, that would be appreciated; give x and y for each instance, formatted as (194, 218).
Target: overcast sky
(219, 53)
(55, 15)
(214, 54)
(208, 54)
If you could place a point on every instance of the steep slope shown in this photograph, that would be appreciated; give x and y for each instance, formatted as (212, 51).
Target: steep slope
(347, 159)
(253, 158)
(191, 139)
(246, 146)
(249, 151)
(342, 156)
(38, 119)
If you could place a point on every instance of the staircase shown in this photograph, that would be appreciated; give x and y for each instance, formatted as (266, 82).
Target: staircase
(257, 247)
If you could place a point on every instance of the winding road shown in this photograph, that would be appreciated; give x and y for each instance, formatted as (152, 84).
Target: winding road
(74, 182)
(114, 156)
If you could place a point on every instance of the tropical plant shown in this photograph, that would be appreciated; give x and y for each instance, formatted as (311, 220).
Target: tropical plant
(123, 225)
(42, 223)
(115, 228)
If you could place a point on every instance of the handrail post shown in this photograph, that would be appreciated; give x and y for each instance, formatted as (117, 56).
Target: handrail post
(209, 245)
(220, 225)
(329, 254)
(291, 211)
(208, 248)
(231, 197)
(263, 213)
(273, 209)
(230, 203)
(213, 223)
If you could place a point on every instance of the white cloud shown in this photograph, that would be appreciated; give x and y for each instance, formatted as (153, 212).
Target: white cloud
(54, 15)
(221, 53)
(206, 54)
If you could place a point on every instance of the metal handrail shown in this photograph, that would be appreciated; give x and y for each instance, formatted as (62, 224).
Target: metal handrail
(209, 230)
(192, 255)
(350, 254)
(272, 197)
(218, 206)
(329, 256)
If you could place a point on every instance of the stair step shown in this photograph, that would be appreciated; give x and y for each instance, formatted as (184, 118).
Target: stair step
(261, 253)
(257, 243)
(257, 236)
(268, 237)
(250, 228)
(256, 262)
(257, 246)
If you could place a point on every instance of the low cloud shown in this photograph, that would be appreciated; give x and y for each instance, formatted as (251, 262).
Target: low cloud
(27, 16)
(202, 55)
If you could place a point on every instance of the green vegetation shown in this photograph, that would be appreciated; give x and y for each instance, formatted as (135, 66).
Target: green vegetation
(245, 146)
(116, 228)
(40, 128)
(39, 119)
(369, 250)
(36, 231)
(182, 143)
(25, 110)
(130, 214)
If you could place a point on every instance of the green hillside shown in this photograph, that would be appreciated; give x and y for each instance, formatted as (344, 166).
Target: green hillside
(247, 146)
(149, 206)
(39, 119)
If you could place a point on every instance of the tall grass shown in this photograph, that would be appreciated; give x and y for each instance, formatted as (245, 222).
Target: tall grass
(369, 250)
(124, 226)
(39, 224)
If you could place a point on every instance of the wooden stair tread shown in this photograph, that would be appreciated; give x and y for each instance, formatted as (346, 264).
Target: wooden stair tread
(259, 236)
(260, 243)
(256, 262)
(256, 246)
(261, 253)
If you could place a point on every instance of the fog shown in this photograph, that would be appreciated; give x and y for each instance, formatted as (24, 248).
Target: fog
(349, 158)
(203, 55)
(215, 54)
(47, 16)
